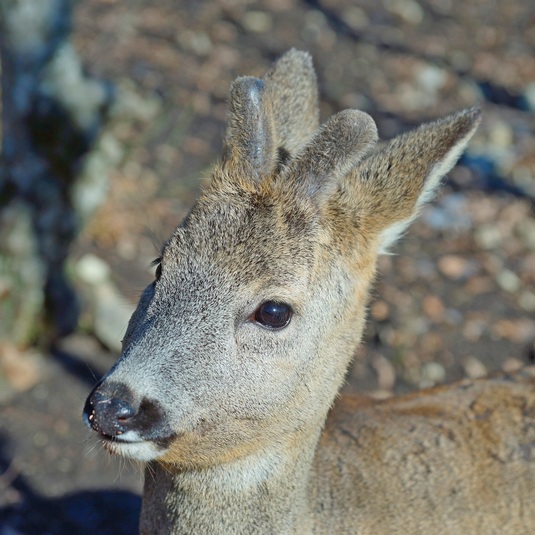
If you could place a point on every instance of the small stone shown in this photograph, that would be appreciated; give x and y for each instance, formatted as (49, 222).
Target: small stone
(456, 267)
(431, 78)
(409, 11)
(474, 368)
(473, 329)
(356, 18)
(527, 301)
(92, 269)
(386, 374)
(433, 307)
(257, 21)
(508, 281)
(511, 365)
(526, 231)
(433, 372)
(200, 43)
(40, 439)
(519, 331)
(380, 311)
(112, 314)
(19, 368)
(501, 135)
(488, 236)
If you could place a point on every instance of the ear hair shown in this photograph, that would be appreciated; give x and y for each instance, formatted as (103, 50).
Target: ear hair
(336, 147)
(393, 183)
(249, 144)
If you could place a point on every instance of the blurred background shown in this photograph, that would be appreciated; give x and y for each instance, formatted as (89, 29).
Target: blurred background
(112, 114)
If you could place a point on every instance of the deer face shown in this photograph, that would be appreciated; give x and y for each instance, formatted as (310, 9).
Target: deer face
(218, 356)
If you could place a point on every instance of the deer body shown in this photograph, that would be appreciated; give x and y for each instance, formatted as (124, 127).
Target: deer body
(236, 352)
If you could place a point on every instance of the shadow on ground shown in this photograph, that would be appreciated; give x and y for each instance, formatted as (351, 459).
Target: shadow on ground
(100, 512)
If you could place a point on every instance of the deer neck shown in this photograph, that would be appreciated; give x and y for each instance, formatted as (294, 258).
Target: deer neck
(263, 493)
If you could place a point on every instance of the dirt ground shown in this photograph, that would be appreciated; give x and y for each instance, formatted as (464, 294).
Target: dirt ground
(457, 299)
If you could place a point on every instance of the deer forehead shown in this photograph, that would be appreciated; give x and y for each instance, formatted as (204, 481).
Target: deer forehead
(251, 240)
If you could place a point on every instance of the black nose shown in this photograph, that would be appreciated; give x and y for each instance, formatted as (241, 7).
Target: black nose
(110, 409)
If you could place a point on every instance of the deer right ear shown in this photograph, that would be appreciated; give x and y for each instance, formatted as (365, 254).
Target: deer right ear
(249, 148)
(393, 183)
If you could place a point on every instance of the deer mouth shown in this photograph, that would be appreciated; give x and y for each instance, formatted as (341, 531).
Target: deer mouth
(133, 447)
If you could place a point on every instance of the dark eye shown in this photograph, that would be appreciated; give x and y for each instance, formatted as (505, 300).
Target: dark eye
(158, 264)
(273, 315)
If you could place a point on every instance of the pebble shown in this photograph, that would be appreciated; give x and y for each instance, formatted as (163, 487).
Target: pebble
(111, 311)
(112, 314)
(257, 21)
(386, 374)
(19, 368)
(473, 329)
(198, 42)
(474, 368)
(40, 439)
(508, 281)
(356, 18)
(433, 372)
(431, 78)
(488, 237)
(518, 331)
(512, 365)
(501, 135)
(527, 301)
(409, 11)
(526, 231)
(456, 267)
(92, 270)
(380, 311)
(433, 307)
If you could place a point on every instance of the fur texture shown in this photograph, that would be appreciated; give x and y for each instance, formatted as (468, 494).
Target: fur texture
(234, 416)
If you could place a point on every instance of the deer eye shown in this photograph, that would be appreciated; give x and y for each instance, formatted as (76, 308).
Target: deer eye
(273, 315)
(158, 264)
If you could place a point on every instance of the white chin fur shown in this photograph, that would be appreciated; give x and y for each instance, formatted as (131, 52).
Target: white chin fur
(140, 451)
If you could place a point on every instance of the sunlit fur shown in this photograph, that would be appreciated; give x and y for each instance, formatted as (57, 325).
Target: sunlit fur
(298, 213)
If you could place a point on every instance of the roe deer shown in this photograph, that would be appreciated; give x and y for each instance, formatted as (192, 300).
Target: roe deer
(236, 352)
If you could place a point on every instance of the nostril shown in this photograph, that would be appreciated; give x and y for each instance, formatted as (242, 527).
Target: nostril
(121, 409)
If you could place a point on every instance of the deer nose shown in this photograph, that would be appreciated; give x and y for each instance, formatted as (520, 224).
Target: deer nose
(110, 411)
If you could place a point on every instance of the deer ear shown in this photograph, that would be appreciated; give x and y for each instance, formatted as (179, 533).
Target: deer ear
(393, 183)
(333, 151)
(293, 91)
(249, 147)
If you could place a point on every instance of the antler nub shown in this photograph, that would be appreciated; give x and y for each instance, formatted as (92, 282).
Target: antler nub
(249, 137)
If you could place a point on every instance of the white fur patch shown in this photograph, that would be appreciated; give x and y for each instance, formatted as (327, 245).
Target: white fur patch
(140, 451)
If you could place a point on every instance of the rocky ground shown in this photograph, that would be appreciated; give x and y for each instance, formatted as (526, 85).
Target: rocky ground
(458, 298)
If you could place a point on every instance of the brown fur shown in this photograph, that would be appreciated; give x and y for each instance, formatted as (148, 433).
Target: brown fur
(234, 418)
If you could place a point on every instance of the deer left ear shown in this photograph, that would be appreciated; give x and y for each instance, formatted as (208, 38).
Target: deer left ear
(393, 183)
